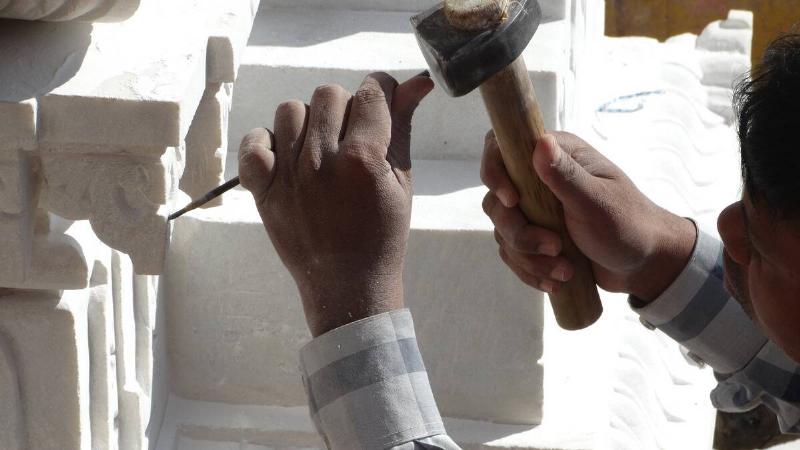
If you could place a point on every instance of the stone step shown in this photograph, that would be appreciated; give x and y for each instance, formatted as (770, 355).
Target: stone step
(291, 51)
(236, 326)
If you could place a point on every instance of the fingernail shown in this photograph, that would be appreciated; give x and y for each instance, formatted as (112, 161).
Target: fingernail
(548, 250)
(559, 274)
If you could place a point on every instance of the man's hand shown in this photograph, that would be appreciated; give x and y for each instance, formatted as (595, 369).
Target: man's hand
(634, 245)
(333, 187)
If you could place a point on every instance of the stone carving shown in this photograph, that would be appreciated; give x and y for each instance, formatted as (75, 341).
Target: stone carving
(132, 402)
(228, 34)
(145, 292)
(207, 143)
(33, 254)
(102, 359)
(94, 126)
(110, 131)
(64, 10)
(12, 420)
(125, 198)
(49, 334)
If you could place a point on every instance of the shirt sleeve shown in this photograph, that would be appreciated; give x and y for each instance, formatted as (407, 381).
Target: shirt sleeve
(368, 389)
(697, 311)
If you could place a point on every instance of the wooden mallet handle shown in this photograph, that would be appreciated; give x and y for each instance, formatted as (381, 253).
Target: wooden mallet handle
(517, 123)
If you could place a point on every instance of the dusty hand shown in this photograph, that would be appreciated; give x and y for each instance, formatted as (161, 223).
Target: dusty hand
(634, 245)
(333, 187)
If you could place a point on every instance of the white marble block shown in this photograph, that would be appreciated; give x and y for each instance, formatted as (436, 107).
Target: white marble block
(132, 402)
(44, 342)
(292, 50)
(17, 126)
(102, 356)
(207, 143)
(724, 49)
(227, 39)
(236, 328)
(18, 191)
(65, 10)
(145, 293)
(13, 435)
(33, 254)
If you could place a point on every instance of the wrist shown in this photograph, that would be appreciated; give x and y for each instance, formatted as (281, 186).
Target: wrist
(672, 246)
(331, 305)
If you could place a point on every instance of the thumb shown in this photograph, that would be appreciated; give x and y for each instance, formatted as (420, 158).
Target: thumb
(567, 179)
(406, 98)
(257, 162)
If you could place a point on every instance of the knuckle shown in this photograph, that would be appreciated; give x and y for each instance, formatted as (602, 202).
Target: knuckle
(498, 237)
(531, 268)
(359, 148)
(382, 77)
(490, 174)
(488, 203)
(504, 219)
(308, 164)
(359, 157)
(569, 172)
(484, 176)
(527, 278)
(518, 241)
(528, 239)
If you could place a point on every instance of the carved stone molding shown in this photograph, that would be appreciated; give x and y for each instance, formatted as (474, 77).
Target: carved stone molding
(12, 421)
(125, 198)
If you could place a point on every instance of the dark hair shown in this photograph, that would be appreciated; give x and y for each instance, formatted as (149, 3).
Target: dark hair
(768, 109)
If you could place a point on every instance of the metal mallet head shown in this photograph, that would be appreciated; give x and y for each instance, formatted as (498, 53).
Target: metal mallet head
(462, 60)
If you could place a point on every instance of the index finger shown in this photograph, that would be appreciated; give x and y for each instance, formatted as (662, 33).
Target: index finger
(370, 119)
(494, 174)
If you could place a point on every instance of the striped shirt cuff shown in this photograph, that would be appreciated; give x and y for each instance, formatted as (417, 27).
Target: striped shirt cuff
(771, 378)
(698, 312)
(367, 385)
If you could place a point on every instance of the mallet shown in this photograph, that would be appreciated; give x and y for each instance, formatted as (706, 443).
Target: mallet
(479, 43)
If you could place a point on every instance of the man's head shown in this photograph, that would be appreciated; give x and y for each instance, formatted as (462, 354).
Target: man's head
(762, 232)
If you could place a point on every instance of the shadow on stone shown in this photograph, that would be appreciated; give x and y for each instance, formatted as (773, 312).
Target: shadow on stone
(51, 55)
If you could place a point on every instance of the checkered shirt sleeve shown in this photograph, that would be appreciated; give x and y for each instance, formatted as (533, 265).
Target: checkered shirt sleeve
(368, 389)
(703, 317)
